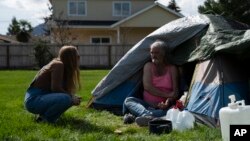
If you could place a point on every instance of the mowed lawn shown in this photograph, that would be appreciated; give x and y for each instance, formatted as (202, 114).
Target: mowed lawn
(78, 123)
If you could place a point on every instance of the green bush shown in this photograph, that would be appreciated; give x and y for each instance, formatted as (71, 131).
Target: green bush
(42, 53)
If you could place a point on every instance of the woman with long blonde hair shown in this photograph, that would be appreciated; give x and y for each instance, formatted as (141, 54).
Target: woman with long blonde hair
(53, 89)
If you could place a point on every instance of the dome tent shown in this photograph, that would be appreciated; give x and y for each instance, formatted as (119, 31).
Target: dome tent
(191, 39)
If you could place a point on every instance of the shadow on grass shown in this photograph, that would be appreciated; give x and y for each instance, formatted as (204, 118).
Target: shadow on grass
(82, 126)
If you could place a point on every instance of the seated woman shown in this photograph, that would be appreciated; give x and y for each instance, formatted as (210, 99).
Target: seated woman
(160, 82)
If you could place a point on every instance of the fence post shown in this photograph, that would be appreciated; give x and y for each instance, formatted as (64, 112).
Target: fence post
(109, 56)
(8, 56)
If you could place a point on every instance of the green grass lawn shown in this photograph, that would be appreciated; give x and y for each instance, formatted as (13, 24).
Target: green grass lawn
(78, 123)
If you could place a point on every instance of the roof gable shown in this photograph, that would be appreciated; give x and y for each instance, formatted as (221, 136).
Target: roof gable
(149, 17)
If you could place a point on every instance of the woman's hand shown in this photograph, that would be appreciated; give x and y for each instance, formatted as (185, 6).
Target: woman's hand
(76, 100)
(164, 105)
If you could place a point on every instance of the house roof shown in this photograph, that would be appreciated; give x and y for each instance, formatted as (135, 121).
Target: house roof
(168, 9)
(7, 39)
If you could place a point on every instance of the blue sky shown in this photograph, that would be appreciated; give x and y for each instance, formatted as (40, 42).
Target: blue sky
(34, 10)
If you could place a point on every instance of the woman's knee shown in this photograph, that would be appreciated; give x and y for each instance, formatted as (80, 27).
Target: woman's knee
(65, 99)
(129, 99)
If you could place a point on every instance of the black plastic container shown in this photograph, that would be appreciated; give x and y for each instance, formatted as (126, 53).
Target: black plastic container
(160, 126)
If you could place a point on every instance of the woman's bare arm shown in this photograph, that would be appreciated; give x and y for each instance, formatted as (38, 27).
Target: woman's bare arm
(57, 69)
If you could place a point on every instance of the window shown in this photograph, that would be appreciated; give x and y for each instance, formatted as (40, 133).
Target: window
(121, 8)
(100, 40)
(77, 7)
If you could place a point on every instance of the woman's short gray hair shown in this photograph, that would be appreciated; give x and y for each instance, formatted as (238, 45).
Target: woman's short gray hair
(160, 44)
(165, 49)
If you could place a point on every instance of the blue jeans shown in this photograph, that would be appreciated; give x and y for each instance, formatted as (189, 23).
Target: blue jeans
(48, 105)
(138, 107)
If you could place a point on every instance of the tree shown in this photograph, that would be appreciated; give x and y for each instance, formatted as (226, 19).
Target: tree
(14, 27)
(58, 28)
(21, 29)
(172, 5)
(234, 9)
(25, 30)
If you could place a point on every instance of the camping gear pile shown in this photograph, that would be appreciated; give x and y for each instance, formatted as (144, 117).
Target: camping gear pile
(211, 50)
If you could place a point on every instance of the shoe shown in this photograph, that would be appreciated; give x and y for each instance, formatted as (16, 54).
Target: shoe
(143, 120)
(128, 118)
(40, 119)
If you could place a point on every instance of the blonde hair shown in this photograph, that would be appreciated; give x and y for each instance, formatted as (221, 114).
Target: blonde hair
(70, 58)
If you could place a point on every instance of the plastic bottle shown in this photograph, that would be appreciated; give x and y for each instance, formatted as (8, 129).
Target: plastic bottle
(184, 121)
(237, 113)
(172, 115)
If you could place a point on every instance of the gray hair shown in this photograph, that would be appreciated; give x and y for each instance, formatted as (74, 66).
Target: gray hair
(164, 47)
(160, 44)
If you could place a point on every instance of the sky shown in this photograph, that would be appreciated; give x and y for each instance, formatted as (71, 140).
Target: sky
(33, 11)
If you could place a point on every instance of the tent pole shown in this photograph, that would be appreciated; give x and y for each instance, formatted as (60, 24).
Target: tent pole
(90, 101)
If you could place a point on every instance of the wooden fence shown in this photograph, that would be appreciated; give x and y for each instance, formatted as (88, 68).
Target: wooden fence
(21, 56)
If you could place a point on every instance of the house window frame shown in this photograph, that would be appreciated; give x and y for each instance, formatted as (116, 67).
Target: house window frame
(77, 11)
(100, 37)
(121, 2)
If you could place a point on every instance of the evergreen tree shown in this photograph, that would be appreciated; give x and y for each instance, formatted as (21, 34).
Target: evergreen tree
(234, 9)
(172, 5)
(21, 29)
(14, 27)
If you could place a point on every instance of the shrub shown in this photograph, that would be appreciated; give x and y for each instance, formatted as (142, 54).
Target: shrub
(42, 53)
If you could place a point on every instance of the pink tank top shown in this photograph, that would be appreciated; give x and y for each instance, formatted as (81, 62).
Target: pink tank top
(164, 83)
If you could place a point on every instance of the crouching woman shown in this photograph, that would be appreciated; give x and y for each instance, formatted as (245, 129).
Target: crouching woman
(53, 89)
